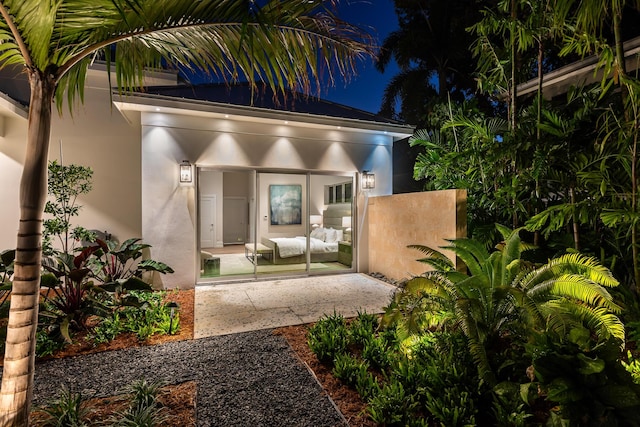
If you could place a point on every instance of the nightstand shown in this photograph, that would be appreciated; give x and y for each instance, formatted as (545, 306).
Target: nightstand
(345, 253)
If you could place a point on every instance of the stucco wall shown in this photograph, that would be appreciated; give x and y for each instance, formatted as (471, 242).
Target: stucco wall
(97, 136)
(426, 218)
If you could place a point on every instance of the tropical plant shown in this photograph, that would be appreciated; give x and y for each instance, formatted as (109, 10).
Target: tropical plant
(328, 337)
(68, 410)
(287, 43)
(117, 268)
(501, 294)
(145, 409)
(65, 184)
(69, 298)
(431, 50)
(391, 406)
(587, 382)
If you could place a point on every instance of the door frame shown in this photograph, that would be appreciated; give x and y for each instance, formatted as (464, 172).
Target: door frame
(255, 197)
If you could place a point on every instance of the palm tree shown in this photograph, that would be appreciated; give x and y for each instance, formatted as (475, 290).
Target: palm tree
(431, 50)
(500, 292)
(287, 43)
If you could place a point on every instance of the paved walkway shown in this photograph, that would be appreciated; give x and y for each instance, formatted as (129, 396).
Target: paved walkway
(240, 307)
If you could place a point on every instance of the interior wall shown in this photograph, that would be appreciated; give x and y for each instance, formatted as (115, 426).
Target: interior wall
(425, 218)
(265, 229)
(316, 190)
(238, 184)
(211, 184)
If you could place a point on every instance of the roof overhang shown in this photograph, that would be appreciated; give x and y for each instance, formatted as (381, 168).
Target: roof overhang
(9, 107)
(579, 73)
(130, 104)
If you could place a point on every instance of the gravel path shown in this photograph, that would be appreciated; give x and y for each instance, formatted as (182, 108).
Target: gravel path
(250, 379)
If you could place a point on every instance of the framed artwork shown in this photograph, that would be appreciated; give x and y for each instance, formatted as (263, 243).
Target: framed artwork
(285, 204)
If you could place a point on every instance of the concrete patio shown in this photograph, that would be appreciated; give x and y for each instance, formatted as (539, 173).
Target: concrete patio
(230, 308)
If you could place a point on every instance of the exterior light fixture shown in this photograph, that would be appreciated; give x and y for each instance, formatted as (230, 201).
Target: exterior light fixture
(368, 180)
(173, 306)
(186, 174)
(315, 220)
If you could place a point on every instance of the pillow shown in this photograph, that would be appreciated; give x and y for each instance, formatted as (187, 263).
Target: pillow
(318, 233)
(330, 235)
(340, 236)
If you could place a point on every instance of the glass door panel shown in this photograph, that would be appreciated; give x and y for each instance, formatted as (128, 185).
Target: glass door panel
(331, 205)
(282, 223)
(225, 203)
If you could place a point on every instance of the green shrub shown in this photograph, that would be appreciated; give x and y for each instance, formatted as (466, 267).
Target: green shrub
(362, 328)
(589, 384)
(145, 319)
(367, 384)
(376, 352)
(108, 329)
(68, 410)
(391, 406)
(348, 369)
(48, 342)
(441, 371)
(328, 337)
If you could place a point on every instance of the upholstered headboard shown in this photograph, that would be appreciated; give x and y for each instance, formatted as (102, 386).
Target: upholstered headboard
(332, 216)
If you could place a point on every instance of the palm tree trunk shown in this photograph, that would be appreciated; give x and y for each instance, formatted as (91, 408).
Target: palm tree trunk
(19, 360)
(536, 234)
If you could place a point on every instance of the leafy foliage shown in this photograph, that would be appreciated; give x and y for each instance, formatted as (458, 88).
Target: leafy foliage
(7, 258)
(590, 385)
(150, 317)
(502, 297)
(68, 410)
(328, 337)
(65, 184)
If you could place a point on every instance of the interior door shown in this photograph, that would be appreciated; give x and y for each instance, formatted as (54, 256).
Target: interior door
(235, 211)
(208, 221)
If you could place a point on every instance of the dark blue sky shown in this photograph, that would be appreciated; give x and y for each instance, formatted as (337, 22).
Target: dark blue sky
(365, 90)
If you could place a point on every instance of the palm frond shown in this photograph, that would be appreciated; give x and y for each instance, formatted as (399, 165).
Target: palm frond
(289, 44)
(576, 287)
(471, 252)
(598, 320)
(436, 259)
(573, 263)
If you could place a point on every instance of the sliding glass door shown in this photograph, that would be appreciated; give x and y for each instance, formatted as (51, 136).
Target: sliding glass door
(274, 223)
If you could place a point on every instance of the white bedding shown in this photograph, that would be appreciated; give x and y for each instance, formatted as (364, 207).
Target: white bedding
(294, 246)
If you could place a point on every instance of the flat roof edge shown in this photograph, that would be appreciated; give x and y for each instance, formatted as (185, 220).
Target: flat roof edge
(123, 100)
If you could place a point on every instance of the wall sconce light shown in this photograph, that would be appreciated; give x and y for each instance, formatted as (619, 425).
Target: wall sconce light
(186, 174)
(315, 220)
(368, 180)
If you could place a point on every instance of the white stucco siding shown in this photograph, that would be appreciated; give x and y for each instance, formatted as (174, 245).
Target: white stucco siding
(96, 136)
(169, 214)
(12, 149)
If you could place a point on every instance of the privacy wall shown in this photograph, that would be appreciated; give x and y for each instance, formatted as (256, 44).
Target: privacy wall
(426, 218)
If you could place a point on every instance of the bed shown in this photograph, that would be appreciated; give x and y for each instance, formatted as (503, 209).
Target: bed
(292, 250)
(323, 241)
